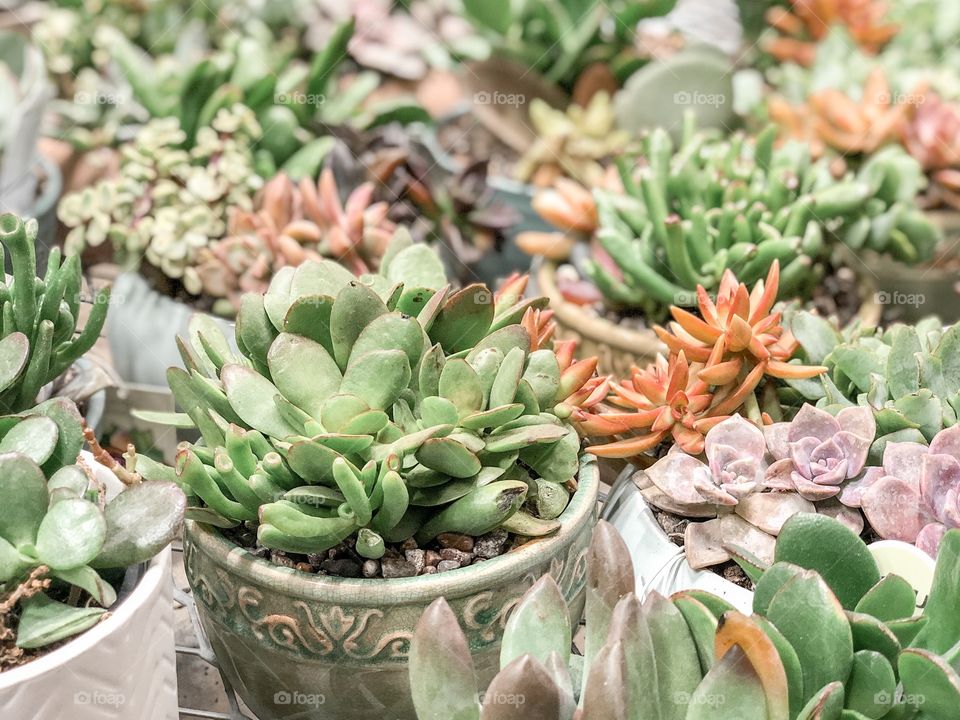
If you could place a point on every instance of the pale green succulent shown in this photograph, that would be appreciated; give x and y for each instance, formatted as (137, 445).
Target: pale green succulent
(169, 201)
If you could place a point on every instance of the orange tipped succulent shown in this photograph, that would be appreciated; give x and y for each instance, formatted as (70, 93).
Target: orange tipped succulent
(717, 361)
(832, 119)
(807, 22)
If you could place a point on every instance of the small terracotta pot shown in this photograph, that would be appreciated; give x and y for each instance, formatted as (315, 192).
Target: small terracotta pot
(296, 645)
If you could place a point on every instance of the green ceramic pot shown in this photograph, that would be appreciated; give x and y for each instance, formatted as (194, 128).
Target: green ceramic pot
(303, 646)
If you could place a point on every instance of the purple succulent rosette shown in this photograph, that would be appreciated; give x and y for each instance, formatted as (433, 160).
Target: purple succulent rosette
(816, 453)
(915, 495)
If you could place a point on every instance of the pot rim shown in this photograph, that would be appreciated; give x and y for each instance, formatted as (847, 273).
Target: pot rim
(408, 590)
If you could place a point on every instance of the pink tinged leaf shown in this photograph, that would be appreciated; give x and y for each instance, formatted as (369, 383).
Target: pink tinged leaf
(858, 421)
(779, 475)
(800, 451)
(813, 422)
(828, 465)
(904, 460)
(703, 544)
(850, 517)
(675, 474)
(855, 449)
(852, 492)
(813, 491)
(769, 511)
(738, 433)
(928, 539)
(712, 492)
(737, 531)
(893, 508)
(777, 443)
(947, 442)
(939, 476)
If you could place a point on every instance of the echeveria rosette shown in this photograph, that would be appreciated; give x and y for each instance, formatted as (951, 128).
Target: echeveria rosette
(915, 495)
(817, 452)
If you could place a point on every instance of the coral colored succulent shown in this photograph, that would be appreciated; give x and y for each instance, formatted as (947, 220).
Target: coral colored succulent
(933, 137)
(807, 22)
(915, 495)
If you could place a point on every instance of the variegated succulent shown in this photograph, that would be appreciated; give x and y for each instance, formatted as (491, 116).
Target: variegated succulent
(169, 201)
(719, 362)
(915, 495)
(754, 481)
(810, 650)
(62, 524)
(382, 408)
(288, 225)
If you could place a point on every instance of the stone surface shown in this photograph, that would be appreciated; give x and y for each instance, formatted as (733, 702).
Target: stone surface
(464, 543)
(397, 568)
(445, 565)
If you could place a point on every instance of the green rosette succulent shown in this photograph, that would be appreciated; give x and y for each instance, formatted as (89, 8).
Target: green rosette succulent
(380, 408)
(39, 316)
(63, 523)
(692, 212)
(907, 374)
(829, 639)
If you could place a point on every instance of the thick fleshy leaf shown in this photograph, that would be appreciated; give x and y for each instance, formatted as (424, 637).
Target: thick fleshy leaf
(14, 353)
(392, 331)
(528, 679)
(377, 377)
(442, 678)
(770, 583)
(251, 396)
(24, 491)
(356, 306)
(141, 521)
(806, 602)
(675, 473)
(312, 461)
(87, 578)
(931, 681)
(770, 511)
(820, 543)
(417, 266)
(495, 417)
(303, 372)
(892, 598)
(943, 630)
(309, 316)
(869, 633)
(557, 462)
(732, 690)
(35, 437)
(254, 331)
(69, 481)
(63, 411)
(789, 661)
(460, 384)
(521, 437)
(11, 562)
(871, 686)
(71, 534)
(894, 509)
(504, 388)
(539, 625)
(44, 621)
(448, 456)
(605, 691)
(736, 630)
(702, 625)
(826, 704)
(543, 374)
(504, 339)
(678, 663)
(464, 318)
(813, 422)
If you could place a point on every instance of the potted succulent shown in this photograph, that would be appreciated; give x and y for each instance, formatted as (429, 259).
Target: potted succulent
(689, 214)
(811, 649)
(375, 443)
(29, 182)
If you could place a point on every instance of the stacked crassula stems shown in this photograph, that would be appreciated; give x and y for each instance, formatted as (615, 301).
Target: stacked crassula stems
(364, 414)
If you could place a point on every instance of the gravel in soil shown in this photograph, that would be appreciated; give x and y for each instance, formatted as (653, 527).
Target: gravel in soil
(675, 526)
(448, 551)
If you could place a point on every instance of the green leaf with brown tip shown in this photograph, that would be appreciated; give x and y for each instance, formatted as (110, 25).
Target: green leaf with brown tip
(527, 525)
(730, 691)
(377, 377)
(464, 319)
(892, 598)
(604, 695)
(789, 661)
(523, 436)
(303, 372)
(869, 633)
(478, 512)
(871, 687)
(251, 396)
(821, 543)
(931, 682)
(539, 625)
(448, 456)
(524, 689)
(356, 306)
(826, 704)
(460, 385)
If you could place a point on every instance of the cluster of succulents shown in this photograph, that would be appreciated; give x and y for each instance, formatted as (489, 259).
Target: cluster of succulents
(381, 409)
(829, 638)
(727, 359)
(40, 316)
(66, 527)
(690, 214)
(169, 200)
(574, 143)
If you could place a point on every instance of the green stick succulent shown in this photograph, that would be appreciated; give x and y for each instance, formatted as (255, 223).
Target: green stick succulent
(39, 316)
(384, 407)
(63, 525)
(907, 374)
(690, 213)
(829, 639)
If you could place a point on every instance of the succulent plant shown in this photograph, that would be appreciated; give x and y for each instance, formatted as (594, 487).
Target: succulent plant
(905, 374)
(717, 363)
(806, 22)
(169, 200)
(915, 495)
(561, 40)
(572, 143)
(380, 409)
(811, 650)
(691, 214)
(933, 137)
(63, 526)
(289, 224)
(40, 317)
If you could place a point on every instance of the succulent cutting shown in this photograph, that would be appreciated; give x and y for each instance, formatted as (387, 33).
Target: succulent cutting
(381, 409)
(66, 529)
(40, 316)
(825, 641)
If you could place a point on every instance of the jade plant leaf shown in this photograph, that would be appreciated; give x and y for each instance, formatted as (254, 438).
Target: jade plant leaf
(826, 704)
(892, 598)
(931, 682)
(303, 372)
(14, 353)
(460, 384)
(942, 631)
(702, 625)
(446, 455)
(442, 677)
(736, 631)
(24, 489)
(309, 316)
(34, 437)
(504, 388)
(735, 680)
(356, 306)
(87, 578)
(392, 331)
(254, 331)
(70, 425)
(871, 687)
(417, 266)
(141, 521)
(71, 534)
(789, 661)
(869, 633)
(539, 625)
(377, 377)
(464, 319)
(44, 621)
(821, 543)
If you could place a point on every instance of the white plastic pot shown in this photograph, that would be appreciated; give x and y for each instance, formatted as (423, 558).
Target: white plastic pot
(123, 668)
(661, 565)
